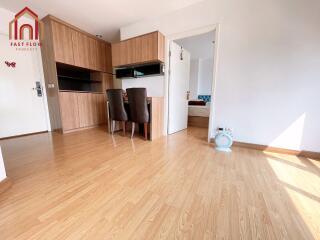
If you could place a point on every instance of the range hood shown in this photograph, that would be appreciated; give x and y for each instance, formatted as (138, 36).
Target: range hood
(146, 70)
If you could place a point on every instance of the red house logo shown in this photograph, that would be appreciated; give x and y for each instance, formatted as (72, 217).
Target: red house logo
(19, 29)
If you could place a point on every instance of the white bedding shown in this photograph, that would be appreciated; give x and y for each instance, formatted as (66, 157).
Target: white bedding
(199, 111)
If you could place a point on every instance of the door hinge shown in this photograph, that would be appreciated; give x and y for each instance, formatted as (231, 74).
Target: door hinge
(169, 53)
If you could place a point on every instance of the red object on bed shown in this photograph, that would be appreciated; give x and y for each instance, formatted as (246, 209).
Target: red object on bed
(197, 103)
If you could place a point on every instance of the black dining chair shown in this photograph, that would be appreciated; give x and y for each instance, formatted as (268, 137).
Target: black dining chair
(116, 109)
(139, 113)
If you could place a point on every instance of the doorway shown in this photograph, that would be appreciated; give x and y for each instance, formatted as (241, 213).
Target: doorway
(22, 100)
(191, 81)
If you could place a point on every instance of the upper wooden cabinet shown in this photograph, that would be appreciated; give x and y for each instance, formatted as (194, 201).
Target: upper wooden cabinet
(75, 47)
(108, 65)
(141, 49)
(94, 60)
(62, 43)
(81, 49)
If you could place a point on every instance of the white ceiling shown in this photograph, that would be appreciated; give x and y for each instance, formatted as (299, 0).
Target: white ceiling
(104, 17)
(200, 46)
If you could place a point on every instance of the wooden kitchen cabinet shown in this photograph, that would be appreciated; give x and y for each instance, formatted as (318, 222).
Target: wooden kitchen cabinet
(92, 109)
(105, 78)
(149, 48)
(103, 56)
(67, 49)
(75, 47)
(116, 56)
(107, 81)
(62, 43)
(85, 109)
(94, 57)
(81, 49)
(108, 58)
(91, 53)
(138, 50)
(81, 110)
(99, 109)
(101, 59)
(69, 110)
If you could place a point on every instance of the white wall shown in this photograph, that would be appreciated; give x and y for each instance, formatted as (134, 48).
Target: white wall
(205, 76)
(267, 86)
(2, 169)
(6, 17)
(194, 75)
(153, 84)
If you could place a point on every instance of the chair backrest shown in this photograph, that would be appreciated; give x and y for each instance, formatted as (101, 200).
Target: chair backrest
(138, 105)
(116, 105)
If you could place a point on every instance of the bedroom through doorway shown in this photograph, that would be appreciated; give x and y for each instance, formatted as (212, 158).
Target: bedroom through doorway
(191, 80)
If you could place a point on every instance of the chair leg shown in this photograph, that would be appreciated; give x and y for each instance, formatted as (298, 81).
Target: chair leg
(124, 127)
(132, 129)
(145, 130)
(113, 123)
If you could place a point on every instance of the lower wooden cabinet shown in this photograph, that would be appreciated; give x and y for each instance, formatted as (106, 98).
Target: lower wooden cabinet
(80, 110)
(69, 111)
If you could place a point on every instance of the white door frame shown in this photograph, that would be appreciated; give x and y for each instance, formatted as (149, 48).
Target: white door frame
(185, 34)
(42, 81)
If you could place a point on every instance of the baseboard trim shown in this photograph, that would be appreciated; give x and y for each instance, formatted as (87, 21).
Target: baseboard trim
(5, 185)
(23, 135)
(265, 148)
(84, 128)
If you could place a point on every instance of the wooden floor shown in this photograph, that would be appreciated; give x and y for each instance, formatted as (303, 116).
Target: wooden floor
(88, 185)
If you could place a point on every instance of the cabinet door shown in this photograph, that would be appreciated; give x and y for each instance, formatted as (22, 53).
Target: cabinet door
(137, 55)
(115, 49)
(104, 57)
(62, 42)
(107, 82)
(81, 49)
(100, 108)
(130, 50)
(124, 53)
(94, 63)
(149, 47)
(85, 109)
(101, 54)
(108, 58)
(94, 99)
(69, 110)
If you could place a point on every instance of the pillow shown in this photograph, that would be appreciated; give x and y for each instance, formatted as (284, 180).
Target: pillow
(206, 98)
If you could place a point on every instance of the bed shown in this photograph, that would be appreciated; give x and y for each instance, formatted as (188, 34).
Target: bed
(198, 113)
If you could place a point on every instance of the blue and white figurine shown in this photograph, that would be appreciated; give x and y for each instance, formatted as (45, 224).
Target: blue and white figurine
(224, 139)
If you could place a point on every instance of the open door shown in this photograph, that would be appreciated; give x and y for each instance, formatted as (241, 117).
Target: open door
(179, 70)
(22, 109)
